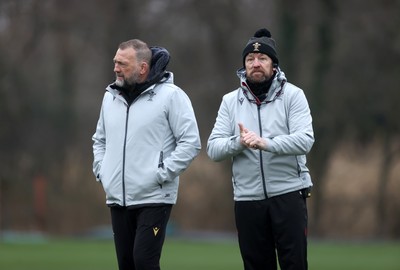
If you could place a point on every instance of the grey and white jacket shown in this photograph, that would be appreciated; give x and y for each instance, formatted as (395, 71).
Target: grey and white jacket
(284, 120)
(140, 150)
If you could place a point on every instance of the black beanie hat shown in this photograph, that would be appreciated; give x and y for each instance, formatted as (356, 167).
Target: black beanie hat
(261, 42)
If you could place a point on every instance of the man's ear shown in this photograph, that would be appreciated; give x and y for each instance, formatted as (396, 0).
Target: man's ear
(144, 67)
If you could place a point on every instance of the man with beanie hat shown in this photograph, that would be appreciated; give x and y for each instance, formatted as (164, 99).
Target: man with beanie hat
(265, 128)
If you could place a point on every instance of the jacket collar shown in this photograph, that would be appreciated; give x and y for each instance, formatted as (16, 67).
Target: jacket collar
(274, 92)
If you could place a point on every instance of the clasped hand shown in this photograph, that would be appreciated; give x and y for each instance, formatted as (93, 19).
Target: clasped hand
(250, 139)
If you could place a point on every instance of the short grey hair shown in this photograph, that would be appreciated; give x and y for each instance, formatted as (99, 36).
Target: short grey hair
(143, 52)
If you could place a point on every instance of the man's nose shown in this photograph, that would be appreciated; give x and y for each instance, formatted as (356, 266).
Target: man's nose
(256, 62)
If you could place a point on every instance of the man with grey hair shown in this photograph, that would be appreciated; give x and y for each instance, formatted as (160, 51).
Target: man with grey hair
(146, 136)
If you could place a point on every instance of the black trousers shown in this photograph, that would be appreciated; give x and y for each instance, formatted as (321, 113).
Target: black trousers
(139, 235)
(271, 228)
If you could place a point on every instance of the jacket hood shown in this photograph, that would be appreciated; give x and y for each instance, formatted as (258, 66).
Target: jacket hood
(276, 83)
(159, 61)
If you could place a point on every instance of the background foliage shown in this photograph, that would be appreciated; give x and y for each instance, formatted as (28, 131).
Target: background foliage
(56, 59)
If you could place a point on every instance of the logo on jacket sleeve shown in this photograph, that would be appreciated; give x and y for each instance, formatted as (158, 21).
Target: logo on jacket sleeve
(155, 230)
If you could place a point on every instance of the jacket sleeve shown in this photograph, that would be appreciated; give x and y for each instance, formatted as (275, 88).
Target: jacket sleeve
(223, 143)
(183, 125)
(99, 145)
(301, 136)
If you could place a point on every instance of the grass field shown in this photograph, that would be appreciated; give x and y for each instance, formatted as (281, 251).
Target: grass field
(189, 254)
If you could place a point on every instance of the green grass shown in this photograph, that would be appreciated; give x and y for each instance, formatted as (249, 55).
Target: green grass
(193, 255)
(60, 255)
(354, 256)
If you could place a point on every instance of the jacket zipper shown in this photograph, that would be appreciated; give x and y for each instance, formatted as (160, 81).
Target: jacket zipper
(123, 157)
(260, 152)
(124, 151)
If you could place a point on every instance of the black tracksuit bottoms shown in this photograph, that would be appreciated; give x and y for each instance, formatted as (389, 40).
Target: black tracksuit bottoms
(271, 228)
(139, 235)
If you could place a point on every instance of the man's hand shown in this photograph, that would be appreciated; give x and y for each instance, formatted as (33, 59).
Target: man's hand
(251, 139)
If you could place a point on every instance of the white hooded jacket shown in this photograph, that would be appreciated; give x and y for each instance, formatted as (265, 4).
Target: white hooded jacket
(141, 149)
(283, 119)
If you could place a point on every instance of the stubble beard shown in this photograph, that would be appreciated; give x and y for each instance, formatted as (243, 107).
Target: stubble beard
(257, 79)
(127, 82)
(119, 82)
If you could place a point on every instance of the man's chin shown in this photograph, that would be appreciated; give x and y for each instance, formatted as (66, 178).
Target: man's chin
(257, 80)
(119, 83)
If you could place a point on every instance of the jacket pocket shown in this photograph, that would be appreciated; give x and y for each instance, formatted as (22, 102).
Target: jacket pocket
(160, 167)
(161, 160)
(99, 175)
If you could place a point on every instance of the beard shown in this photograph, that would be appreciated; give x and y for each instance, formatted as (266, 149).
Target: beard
(119, 82)
(126, 82)
(257, 80)
(258, 77)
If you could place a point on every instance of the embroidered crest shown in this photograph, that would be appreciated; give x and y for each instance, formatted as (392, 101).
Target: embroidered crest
(256, 46)
(151, 95)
